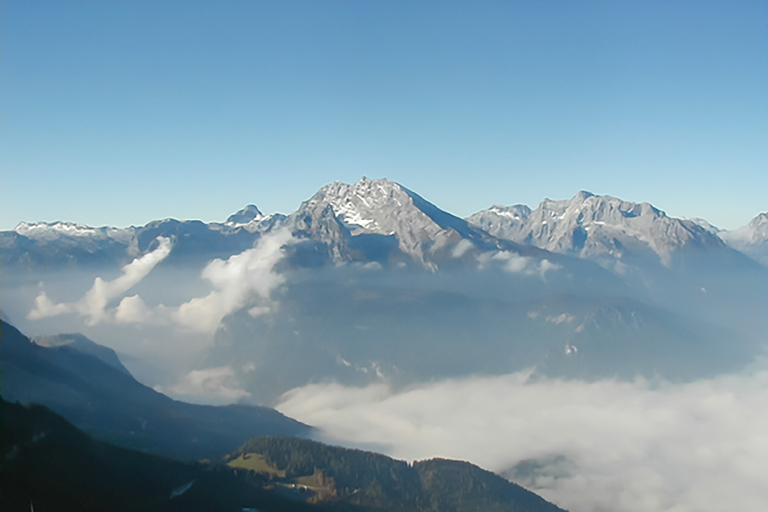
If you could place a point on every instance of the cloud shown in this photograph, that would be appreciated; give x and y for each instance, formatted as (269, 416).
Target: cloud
(93, 305)
(235, 281)
(132, 310)
(606, 445)
(44, 308)
(461, 248)
(211, 386)
(515, 264)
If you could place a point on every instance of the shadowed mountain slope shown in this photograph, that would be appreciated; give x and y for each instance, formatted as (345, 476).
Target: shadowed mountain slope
(111, 405)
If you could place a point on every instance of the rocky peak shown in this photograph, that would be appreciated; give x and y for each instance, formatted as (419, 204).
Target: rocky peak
(248, 214)
(596, 227)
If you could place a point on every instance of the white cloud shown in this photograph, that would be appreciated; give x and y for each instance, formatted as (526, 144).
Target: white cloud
(626, 447)
(209, 386)
(93, 305)
(44, 308)
(515, 264)
(461, 248)
(235, 281)
(132, 310)
(546, 265)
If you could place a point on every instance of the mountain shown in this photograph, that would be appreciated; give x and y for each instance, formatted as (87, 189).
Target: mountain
(322, 474)
(47, 464)
(382, 209)
(351, 329)
(43, 245)
(380, 220)
(678, 264)
(250, 213)
(372, 279)
(602, 228)
(369, 221)
(751, 239)
(109, 403)
(56, 244)
(84, 345)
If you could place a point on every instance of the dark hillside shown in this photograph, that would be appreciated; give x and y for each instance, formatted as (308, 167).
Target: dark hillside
(46, 464)
(110, 404)
(329, 474)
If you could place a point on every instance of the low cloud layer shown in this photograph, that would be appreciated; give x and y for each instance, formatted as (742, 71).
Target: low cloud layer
(602, 446)
(93, 305)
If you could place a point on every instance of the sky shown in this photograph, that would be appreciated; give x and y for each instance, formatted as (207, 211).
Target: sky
(121, 112)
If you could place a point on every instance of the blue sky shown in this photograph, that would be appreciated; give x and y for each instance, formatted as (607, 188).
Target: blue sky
(120, 112)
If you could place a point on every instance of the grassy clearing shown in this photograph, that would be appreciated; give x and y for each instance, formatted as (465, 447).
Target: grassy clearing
(255, 462)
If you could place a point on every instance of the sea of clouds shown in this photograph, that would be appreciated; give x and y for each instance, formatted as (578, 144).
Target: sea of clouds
(601, 446)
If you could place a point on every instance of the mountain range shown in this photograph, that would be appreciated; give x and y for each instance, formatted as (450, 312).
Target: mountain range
(370, 281)
(601, 228)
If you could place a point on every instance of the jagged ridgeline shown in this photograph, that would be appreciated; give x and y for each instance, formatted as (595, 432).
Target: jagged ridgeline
(321, 473)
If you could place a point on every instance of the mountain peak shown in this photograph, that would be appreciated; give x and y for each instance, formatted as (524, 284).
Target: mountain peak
(386, 208)
(246, 215)
(751, 239)
(365, 205)
(582, 195)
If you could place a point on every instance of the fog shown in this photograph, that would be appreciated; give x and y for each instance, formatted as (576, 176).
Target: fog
(159, 318)
(642, 446)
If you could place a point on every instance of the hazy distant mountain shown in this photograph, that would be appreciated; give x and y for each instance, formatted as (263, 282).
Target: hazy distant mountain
(47, 245)
(751, 239)
(110, 404)
(348, 328)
